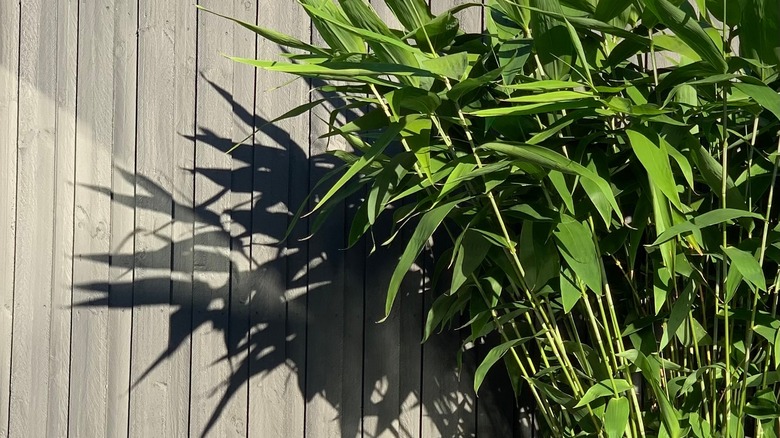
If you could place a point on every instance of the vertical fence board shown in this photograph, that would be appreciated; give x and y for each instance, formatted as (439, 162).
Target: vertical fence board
(122, 219)
(44, 211)
(392, 348)
(218, 406)
(160, 356)
(9, 107)
(277, 314)
(241, 196)
(94, 134)
(185, 221)
(329, 328)
(62, 251)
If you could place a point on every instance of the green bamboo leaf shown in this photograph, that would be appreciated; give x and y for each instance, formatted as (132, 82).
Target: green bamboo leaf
(552, 96)
(682, 163)
(651, 373)
(453, 66)
(491, 358)
(417, 134)
(272, 35)
(609, 9)
(708, 219)
(536, 108)
(700, 427)
(604, 389)
(335, 35)
(675, 44)
(471, 253)
(429, 222)
(544, 85)
(377, 148)
(570, 292)
(616, 417)
(552, 160)
(342, 71)
(413, 99)
(591, 24)
(558, 181)
(306, 107)
(654, 158)
(712, 173)
(748, 267)
(412, 14)
(439, 32)
(776, 349)
(386, 44)
(761, 38)
(763, 405)
(575, 243)
(537, 255)
(370, 35)
(768, 98)
(689, 30)
(580, 51)
(551, 42)
(458, 176)
(678, 316)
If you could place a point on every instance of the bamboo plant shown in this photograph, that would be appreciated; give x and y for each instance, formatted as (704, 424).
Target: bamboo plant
(600, 176)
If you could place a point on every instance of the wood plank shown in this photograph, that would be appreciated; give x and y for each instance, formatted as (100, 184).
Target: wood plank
(185, 43)
(42, 281)
(392, 382)
(392, 348)
(122, 219)
(240, 228)
(159, 399)
(9, 110)
(218, 404)
(278, 307)
(329, 313)
(64, 185)
(94, 140)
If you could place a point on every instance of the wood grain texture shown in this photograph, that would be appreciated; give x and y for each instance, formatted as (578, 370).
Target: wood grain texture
(160, 357)
(9, 110)
(42, 282)
(143, 290)
(277, 344)
(328, 323)
(92, 211)
(391, 388)
(218, 400)
(122, 219)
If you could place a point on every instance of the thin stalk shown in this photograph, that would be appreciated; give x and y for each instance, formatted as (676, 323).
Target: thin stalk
(618, 338)
(756, 294)
(726, 329)
(542, 401)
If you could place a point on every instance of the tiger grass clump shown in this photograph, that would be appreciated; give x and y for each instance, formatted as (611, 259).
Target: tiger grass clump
(604, 173)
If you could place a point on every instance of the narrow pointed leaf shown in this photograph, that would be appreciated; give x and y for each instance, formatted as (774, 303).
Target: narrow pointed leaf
(429, 222)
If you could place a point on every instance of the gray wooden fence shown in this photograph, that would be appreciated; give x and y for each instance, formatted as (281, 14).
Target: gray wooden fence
(142, 292)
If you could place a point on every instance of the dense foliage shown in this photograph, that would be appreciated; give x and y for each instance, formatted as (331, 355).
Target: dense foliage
(605, 173)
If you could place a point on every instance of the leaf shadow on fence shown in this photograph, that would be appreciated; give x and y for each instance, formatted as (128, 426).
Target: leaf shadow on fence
(280, 301)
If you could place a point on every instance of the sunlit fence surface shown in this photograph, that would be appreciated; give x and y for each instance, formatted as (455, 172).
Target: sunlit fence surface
(143, 287)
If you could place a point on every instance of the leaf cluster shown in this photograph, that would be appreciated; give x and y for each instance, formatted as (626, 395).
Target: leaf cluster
(599, 176)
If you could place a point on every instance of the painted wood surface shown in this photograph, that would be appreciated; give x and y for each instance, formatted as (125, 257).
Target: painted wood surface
(9, 110)
(144, 286)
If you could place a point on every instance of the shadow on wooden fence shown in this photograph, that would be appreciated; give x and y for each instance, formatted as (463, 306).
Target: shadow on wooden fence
(269, 311)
